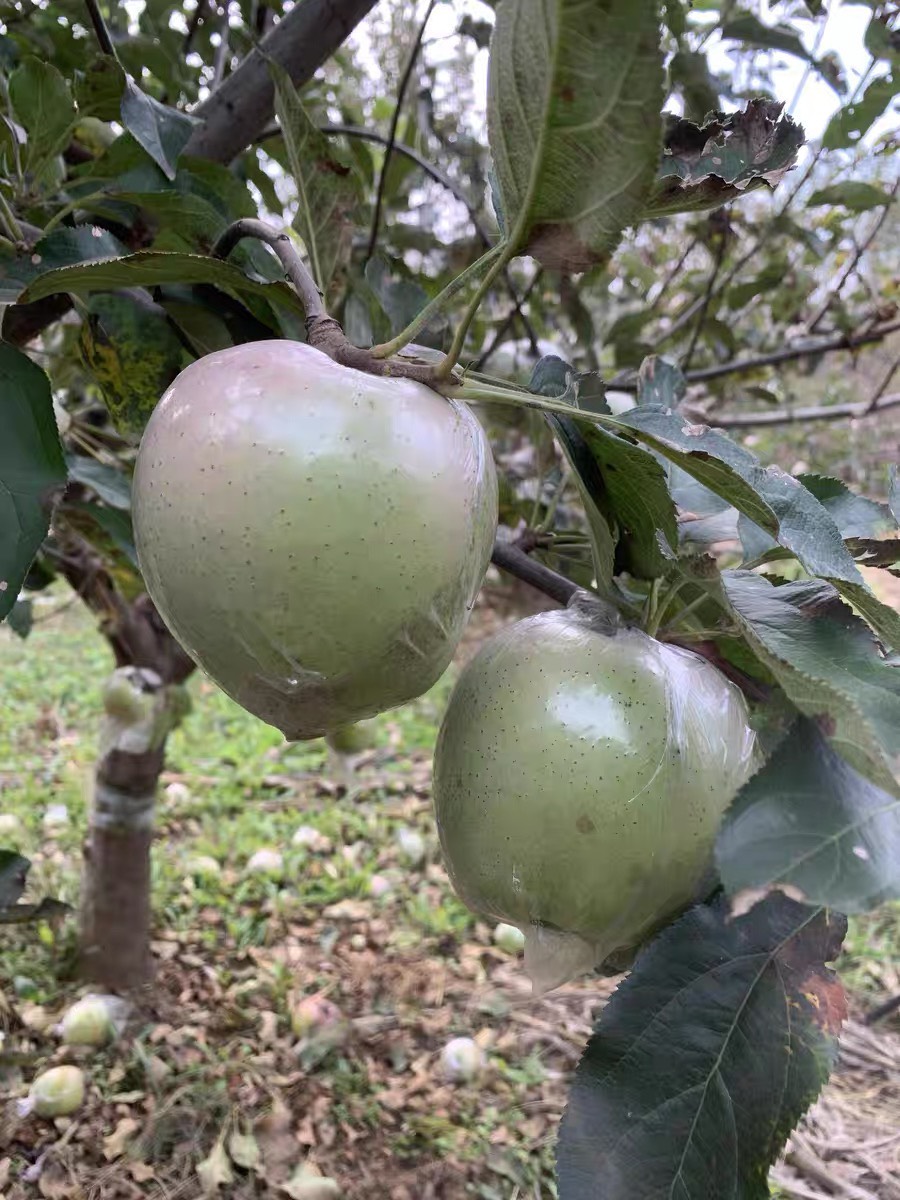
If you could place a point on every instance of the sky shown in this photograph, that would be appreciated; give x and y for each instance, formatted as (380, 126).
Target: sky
(844, 32)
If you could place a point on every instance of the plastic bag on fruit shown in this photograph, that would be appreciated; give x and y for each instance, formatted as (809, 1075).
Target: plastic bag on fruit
(581, 773)
(313, 536)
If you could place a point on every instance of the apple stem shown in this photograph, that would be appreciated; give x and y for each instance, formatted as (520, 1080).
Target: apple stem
(516, 562)
(280, 242)
(324, 332)
(438, 306)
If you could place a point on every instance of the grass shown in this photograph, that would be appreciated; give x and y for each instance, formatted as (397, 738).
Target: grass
(235, 950)
(232, 946)
(228, 770)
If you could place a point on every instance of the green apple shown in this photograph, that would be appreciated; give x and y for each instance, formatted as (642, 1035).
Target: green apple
(88, 1022)
(58, 1092)
(579, 780)
(314, 536)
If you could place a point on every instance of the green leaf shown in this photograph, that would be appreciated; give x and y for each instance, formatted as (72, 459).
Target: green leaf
(192, 209)
(747, 28)
(881, 40)
(809, 820)
(62, 247)
(883, 619)
(553, 376)
(133, 354)
(400, 297)
(825, 659)
(32, 468)
(770, 277)
(854, 120)
(770, 497)
(204, 329)
(111, 485)
(13, 874)
(43, 105)
(690, 74)
(632, 496)
(660, 382)
(162, 131)
(152, 268)
(705, 166)
(100, 88)
(190, 219)
(591, 488)
(705, 1057)
(328, 190)
(855, 516)
(574, 152)
(625, 336)
(20, 618)
(872, 552)
(113, 522)
(851, 194)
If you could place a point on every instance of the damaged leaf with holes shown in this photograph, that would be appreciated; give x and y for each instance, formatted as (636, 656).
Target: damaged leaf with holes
(705, 166)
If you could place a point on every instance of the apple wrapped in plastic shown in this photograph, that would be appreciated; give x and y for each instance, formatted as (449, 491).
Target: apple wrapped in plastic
(58, 1092)
(314, 536)
(579, 781)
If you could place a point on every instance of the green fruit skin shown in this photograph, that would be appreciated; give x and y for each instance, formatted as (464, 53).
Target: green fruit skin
(579, 779)
(58, 1092)
(351, 739)
(313, 536)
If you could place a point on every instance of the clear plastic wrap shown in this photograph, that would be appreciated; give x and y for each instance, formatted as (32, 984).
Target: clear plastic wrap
(580, 776)
(313, 536)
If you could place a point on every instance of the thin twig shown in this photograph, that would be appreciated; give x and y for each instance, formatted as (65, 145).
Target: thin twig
(813, 55)
(370, 135)
(883, 386)
(9, 222)
(707, 297)
(506, 324)
(392, 132)
(805, 349)
(835, 290)
(673, 274)
(451, 186)
(789, 416)
(737, 366)
(516, 562)
(100, 30)
(451, 358)
(293, 264)
(882, 1011)
(194, 23)
(220, 62)
(436, 307)
(323, 333)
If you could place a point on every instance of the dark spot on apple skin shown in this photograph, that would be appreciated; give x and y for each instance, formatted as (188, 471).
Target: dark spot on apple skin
(584, 824)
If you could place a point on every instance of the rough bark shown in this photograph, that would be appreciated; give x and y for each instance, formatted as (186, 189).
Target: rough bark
(115, 906)
(241, 107)
(235, 114)
(115, 911)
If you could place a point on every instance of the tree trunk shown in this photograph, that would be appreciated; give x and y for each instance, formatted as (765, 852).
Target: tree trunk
(143, 702)
(115, 907)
